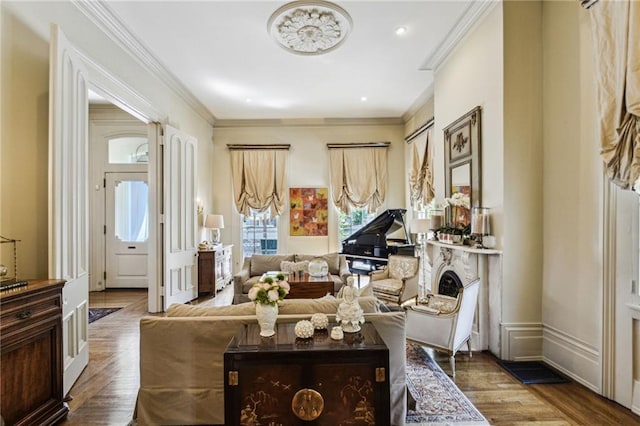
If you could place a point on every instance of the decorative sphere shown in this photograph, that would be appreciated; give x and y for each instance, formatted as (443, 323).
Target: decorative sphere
(319, 321)
(304, 329)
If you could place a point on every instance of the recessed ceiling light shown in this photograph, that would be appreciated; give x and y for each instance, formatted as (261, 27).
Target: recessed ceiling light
(401, 30)
(363, 99)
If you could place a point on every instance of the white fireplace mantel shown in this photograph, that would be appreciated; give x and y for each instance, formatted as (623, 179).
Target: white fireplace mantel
(470, 263)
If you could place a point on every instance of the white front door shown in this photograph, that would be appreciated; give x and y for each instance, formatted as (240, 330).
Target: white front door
(126, 230)
(179, 212)
(69, 198)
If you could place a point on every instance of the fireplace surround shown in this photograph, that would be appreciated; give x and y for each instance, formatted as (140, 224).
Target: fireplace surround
(450, 267)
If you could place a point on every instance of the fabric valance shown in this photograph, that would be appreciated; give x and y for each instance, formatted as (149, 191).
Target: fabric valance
(258, 178)
(358, 175)
(615, 29)
(421, 175)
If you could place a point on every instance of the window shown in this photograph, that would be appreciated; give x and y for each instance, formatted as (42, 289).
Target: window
(259, 233)
(350, 223)
(128, 150)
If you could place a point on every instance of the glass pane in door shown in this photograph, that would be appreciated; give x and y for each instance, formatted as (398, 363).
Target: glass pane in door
(131, 211)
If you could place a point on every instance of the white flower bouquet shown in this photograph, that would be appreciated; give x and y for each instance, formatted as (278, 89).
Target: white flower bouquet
(270, 290)
(459, 200)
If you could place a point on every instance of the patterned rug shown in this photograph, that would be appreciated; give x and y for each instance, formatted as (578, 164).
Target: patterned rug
(96, 313)
(438, 399)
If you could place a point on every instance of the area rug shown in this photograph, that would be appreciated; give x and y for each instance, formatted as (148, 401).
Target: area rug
(96, 313)
(533, 372)
(438, 399)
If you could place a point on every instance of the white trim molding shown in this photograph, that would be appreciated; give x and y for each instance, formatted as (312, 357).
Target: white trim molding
(609, 243)
(521, 341)
(565, 349)
(476, 10)
(107, 21)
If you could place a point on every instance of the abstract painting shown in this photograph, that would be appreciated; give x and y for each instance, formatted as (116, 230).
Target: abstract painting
(309, 213)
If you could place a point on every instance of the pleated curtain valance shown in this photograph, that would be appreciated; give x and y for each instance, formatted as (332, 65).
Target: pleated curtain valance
(358, 175)
(258, 177)
(421, 175)
(615, 27)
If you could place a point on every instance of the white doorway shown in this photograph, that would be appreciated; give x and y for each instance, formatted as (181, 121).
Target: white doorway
(126, 230)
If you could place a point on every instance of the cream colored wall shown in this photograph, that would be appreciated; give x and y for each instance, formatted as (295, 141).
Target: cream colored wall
(573, 187)
(24, 128)
(307, 166)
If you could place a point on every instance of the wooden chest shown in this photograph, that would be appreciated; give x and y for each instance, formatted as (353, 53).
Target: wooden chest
(284, 380)
(31, 354)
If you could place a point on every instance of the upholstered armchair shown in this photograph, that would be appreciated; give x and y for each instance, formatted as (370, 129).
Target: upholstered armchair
(443, 322)
(398, 281)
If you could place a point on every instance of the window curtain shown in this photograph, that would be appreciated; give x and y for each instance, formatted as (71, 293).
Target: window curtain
(421, 175)
(358, 177)
(258, 179)
(615, 27)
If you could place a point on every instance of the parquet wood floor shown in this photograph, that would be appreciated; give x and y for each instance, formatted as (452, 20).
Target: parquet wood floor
(105, 393)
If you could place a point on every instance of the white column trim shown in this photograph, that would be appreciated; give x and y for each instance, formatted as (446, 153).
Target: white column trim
(609, 241)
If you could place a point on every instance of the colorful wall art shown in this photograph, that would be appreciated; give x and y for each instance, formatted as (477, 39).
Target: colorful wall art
(308, 214)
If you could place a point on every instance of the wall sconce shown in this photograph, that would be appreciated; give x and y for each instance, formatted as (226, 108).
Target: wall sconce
(215, 222)
(199, 207)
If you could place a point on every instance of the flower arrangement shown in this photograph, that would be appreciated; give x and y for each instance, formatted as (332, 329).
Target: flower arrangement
(269, 290)
(460, 209)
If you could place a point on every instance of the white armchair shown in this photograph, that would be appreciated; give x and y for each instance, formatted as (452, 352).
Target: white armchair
(398, 281)
(444, 323)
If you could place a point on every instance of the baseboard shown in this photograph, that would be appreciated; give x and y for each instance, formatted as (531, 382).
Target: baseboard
(562, 349)
(521, 341)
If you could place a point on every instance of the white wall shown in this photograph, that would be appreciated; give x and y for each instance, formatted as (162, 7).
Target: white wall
(24, 126)
(573, 185)
(307, 166)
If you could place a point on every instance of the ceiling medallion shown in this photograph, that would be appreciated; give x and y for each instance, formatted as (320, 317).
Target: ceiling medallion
(310, 27)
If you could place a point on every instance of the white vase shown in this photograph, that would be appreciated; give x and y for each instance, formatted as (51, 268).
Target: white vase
(267, 315)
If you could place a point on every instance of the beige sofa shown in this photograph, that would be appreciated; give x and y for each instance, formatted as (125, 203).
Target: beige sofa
(256, 265)
(181, 357)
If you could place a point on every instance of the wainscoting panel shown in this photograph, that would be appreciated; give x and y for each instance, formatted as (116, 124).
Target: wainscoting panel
(521, 341)
(562, 349)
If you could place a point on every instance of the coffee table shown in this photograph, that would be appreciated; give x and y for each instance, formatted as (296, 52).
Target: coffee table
(308, 287)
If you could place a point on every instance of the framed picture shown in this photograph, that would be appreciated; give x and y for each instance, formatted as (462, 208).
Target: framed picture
(309, 212)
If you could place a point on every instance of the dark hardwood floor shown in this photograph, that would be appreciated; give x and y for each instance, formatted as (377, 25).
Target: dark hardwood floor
(105, 393)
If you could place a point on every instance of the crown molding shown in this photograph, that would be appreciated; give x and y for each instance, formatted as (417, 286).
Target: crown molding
(107, 21)
(309, 122)
(476, 10)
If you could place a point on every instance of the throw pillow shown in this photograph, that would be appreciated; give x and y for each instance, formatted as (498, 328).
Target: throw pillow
(287, 266)
(261, 263)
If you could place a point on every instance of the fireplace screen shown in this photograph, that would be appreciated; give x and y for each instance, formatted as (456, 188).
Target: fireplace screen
(449, 284)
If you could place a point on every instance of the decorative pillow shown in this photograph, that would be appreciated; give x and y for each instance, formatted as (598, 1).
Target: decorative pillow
(332, 259)
(287, 266)
(261, 263)
(443, 304)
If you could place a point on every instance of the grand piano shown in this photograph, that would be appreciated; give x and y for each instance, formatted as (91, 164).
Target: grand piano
(368, 248)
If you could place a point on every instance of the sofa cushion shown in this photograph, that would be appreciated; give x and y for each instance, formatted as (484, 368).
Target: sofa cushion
(287, 266)
(246, 286)
(332, 259)
(261, 263)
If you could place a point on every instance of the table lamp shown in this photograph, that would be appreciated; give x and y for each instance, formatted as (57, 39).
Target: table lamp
(215, 222)
(421, 227)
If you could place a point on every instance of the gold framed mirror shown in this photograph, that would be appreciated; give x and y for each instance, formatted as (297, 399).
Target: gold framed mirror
(462, 167)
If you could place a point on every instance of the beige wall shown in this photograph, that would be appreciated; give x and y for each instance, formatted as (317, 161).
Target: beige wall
(24, 126)
(573, 185)
(307, 166)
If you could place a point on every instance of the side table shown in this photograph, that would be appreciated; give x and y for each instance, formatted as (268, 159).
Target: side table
(284, 380)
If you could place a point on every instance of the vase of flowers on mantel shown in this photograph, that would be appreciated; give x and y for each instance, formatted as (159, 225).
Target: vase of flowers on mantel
(266, 294)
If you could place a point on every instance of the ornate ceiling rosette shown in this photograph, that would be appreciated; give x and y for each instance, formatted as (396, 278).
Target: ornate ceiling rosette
(310, 27)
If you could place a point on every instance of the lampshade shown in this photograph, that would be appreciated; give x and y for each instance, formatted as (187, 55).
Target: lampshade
(420, 226)
(214, 221)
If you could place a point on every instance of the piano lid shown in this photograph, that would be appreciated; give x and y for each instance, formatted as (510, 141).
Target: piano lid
(389, 223)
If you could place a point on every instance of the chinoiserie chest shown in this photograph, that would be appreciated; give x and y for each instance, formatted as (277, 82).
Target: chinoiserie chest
(285, 380)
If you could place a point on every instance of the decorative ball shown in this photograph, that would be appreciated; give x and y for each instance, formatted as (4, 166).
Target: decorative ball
(319, 321)
(304, 329)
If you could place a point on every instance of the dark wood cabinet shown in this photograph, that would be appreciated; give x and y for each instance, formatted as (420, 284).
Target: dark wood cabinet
(284, 380)
(31, 354)
(215, 269)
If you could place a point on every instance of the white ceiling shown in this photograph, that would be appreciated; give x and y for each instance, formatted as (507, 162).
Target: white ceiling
(222, 53)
